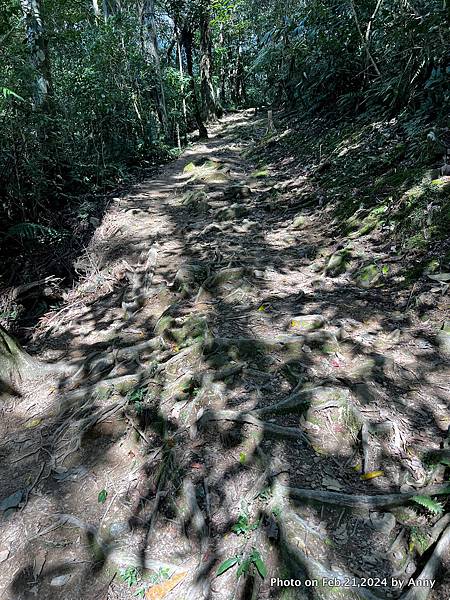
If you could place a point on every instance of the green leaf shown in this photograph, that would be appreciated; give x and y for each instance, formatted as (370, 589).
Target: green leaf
(261, 566)
(432, 505)
(7, 92)
(227, 564)
(102, 496)
(243, 567)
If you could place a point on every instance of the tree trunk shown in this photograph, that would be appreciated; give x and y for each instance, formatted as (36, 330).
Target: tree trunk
(151, 48)
(96, 8)
(187, 41)
(183, 98)
(209, 109)
(37, 45)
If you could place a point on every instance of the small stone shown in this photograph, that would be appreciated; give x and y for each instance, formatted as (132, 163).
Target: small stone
(60, 580)
(382, 522)
(368, 276)
(119, 529)
(331, 484)
(4, 553)
(11, 501)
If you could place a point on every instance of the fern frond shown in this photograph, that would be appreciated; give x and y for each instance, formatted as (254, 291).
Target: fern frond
(432, 505)
(30, 231)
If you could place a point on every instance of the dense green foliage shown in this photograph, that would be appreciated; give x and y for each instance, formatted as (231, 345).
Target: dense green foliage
(91, 89)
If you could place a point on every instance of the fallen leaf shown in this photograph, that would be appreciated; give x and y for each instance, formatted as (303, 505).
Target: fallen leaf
(33, 423)
(371, 475)
(156, 592)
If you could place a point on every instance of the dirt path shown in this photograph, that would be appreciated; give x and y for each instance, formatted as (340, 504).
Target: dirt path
(221, 391)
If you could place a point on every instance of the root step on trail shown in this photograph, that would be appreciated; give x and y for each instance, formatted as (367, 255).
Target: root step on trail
(210, 395)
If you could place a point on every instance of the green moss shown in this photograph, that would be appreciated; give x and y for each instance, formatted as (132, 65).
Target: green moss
(417, 242)
(338, 262)
(431, 267)
(368, 276)
(298, 222)
(260, 174)
(189, 168)
(164, 324)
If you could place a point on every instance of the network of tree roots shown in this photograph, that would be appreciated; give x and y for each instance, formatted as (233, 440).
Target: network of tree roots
(217, 409)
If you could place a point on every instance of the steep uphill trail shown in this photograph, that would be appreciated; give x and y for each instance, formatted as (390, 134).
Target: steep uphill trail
(212, 392)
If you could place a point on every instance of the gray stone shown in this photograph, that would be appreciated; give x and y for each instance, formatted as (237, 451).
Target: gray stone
(383, 522)
(60, 580)
(12, 501)
(119, 529)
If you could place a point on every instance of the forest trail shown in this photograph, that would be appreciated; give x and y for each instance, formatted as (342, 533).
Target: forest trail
(213, 373)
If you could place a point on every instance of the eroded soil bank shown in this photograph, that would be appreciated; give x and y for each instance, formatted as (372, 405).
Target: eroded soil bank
(230, 381)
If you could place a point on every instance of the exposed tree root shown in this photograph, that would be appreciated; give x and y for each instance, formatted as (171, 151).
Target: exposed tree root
(360, 501)
(141, 280)
(269, 429)
(302, 565)
(194, 515)
(15, 363)
(299, 401)
(430, 570)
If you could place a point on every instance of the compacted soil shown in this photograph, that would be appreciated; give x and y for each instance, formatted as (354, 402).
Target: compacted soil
(218, 387)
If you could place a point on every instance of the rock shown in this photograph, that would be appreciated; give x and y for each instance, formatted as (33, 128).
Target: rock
(12, 501)
(119, 529)
(235, 211)
(189, 168)
(307, 322)
(383, 522)
(332, 422)
(368, 276)
(331, 484)
(164, 324)
(259, 174)
(188, 279)
(60, 580)
(197, 201)
(193, 329)
(237, 190)
(4, 553)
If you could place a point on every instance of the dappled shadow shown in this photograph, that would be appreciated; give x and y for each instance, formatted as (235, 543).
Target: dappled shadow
(142, 408)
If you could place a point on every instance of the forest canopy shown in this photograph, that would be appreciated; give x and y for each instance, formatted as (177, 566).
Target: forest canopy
(91, 89)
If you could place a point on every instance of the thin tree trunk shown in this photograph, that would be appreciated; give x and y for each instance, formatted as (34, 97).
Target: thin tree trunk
(206, 88)
(364, 41)
(187, 40)
(96, 8)
(37, 45)
(151, 47)
(183, 98)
